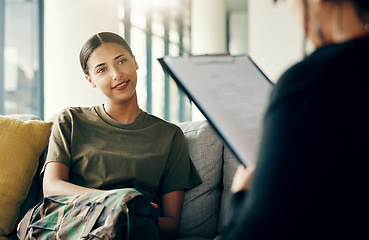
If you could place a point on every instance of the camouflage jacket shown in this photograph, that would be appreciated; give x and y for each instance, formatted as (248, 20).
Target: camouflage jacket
(114, 214)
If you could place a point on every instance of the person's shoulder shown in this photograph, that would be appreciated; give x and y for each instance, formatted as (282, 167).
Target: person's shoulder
(338, 58)
(293, 72)
(323, 61)
(78, 110)
(295, 78)
(70, 113)
(322, 67)
(159, 122)
(324, 73)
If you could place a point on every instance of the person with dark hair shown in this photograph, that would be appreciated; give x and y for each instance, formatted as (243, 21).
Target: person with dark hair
(310, 178)
(93, 150)
(95, 41)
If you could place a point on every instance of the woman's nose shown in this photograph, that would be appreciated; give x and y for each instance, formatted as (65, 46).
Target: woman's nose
(116, 74)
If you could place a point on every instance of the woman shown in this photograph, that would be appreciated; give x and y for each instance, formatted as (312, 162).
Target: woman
(310, 178)
(117, 145)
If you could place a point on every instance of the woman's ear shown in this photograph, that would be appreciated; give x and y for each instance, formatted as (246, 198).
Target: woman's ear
(134, 58)
(88, 78)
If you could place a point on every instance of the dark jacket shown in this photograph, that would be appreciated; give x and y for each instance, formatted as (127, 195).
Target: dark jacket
(311, 177)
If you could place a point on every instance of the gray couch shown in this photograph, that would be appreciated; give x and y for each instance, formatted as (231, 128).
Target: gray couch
(203, 205)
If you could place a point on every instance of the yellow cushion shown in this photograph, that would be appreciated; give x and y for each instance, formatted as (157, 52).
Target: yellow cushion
(21, 144)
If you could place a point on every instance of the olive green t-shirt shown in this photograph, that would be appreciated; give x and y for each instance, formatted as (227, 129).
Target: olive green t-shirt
(149, 154)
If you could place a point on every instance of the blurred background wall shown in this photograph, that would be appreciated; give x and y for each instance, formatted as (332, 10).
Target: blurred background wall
(40, 43)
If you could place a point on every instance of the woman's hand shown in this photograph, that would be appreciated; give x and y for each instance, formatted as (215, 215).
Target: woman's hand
(242, 178)
(154, 205)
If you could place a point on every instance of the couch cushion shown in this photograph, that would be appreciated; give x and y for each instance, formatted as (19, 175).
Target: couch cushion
(21, 145)
(201, 204)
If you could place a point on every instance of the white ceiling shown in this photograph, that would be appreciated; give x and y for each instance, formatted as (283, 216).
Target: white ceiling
(237, 5)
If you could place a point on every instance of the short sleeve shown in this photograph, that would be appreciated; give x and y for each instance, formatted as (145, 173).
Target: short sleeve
(180, 172)
(59, 144)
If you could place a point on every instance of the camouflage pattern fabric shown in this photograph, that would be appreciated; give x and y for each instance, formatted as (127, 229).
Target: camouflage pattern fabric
(115, 214)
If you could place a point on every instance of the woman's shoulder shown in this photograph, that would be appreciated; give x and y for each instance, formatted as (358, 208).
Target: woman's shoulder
(71, 113)
(330, 60)
(159, 122)
(295, 79)
(77, 110)
(325, 75)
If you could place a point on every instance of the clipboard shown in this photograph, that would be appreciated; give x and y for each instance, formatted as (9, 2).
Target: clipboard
(231, 92)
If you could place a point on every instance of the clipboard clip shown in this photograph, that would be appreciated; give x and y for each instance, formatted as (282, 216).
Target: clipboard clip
(211, 58)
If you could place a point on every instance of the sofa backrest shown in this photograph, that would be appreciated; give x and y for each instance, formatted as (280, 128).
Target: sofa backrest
(203, 206)
(200, 212)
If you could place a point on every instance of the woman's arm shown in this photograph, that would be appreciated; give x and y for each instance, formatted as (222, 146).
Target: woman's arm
(56, 178)
(171, 213)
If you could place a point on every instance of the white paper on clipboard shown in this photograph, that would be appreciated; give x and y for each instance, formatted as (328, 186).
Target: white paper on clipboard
(231, 92)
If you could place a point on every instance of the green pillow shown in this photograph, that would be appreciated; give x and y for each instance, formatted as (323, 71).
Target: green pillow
(21, 144)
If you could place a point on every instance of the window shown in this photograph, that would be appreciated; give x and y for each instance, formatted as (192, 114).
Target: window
(153, 31)
(21, 57)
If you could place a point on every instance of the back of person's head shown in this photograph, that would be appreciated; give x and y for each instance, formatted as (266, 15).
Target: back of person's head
(95, 41)
(362, 6)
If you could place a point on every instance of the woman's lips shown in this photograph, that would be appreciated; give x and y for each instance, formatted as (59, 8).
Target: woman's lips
(121, 86)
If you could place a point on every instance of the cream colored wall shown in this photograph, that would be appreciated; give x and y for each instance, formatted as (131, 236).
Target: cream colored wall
(275, 38)
(238, 32)
(68, 24)
(208, 27)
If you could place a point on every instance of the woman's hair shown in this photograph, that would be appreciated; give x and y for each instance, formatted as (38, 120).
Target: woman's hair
(362, 10)
(363, 3)
(362, 7)
(95, 41)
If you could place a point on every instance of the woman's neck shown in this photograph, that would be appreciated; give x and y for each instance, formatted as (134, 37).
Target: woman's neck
(123, 113)
(343, 25)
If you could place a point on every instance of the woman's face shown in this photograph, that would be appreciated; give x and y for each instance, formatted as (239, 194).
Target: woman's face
(113, 70)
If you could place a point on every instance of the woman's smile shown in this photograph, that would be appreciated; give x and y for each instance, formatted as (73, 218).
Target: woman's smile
(121, 86)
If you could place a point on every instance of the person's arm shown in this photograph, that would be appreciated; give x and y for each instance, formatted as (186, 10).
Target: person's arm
(179, 175)
(56, 176)
(170, 219)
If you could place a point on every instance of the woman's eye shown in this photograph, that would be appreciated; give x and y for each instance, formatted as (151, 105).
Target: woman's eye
(122, 61)
(101, 70)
